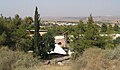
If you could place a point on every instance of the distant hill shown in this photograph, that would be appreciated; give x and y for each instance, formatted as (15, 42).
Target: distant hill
(109, 19)
(63, 18)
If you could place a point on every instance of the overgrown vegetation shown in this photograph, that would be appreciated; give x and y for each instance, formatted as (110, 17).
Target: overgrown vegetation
(98, 59)
(16, 60)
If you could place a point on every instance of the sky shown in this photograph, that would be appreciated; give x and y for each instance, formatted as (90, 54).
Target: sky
(60, 8)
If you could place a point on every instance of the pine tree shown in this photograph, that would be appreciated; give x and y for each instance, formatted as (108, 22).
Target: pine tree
(92, 36)
(78, 34)
(37, 37)
(90, 19)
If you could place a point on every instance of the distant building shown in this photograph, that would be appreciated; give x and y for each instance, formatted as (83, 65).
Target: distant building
(62, 41)
(60, 23)
(31, 32)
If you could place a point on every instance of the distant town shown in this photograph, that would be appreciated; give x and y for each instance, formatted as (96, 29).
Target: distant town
(75, 20)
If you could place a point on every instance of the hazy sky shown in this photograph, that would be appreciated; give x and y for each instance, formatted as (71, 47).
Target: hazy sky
(60, 8)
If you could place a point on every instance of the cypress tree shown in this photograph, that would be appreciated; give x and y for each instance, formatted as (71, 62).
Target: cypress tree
(37, 37)
(91, 36)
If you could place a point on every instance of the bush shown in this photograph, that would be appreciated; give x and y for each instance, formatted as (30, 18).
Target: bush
(98, 59)
(14, 60)
(115, 54)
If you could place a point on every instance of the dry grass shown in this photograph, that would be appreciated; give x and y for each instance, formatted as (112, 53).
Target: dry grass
(92, 59)
(55, 67)
(97, 59)
(14, 60)
(47, 67)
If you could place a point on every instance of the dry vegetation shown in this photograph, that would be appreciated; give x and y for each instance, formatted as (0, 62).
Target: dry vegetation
(97, 59)
(15, 60)
(92, 59)
(55, 67)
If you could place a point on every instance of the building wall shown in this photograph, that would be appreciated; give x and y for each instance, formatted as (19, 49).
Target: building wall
(61, 39)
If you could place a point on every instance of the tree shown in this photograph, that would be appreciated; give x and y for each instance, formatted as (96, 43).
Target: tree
(90, 19)
(87, 35)
(22, 41)
(110, 29)
(3, 38)
(117, 41)
(78, 34)
(13, 34)
(28, 20)
(91, 35)
(48, 43)
(37, 38)
(17, 20)
(104, 28)
(81, 27)
(116, 28)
